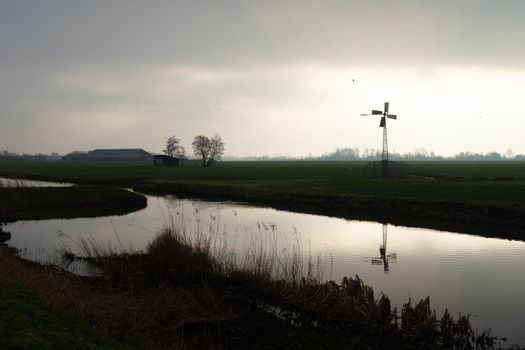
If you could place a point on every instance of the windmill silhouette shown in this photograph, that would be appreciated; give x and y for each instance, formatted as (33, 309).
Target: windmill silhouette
(385, 172)
(384, 258)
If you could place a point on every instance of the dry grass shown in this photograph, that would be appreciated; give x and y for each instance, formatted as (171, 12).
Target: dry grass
(158, 317)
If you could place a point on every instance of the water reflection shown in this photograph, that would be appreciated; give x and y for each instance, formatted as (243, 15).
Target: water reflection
(6, 182)
(384, 258)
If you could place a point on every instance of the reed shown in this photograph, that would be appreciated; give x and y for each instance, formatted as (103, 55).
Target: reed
(196, 279)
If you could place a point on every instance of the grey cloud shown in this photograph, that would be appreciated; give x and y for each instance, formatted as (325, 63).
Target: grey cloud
(63, 59)
(236, 33)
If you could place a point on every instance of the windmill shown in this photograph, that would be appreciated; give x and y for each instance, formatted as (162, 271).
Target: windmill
(382, 124)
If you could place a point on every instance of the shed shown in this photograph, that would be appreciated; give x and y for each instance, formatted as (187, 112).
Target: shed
(162, 159)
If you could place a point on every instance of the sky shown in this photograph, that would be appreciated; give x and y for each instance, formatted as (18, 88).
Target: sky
(272, 77)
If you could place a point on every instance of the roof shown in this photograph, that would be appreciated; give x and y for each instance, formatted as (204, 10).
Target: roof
(111, 154)
(119, 153)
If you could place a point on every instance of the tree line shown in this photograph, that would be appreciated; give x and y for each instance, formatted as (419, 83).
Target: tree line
(208, 149)
(371, 154)
(418, 154)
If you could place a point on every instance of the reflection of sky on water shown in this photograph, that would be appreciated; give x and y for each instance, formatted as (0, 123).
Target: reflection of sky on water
(462, 272)
(5, 182)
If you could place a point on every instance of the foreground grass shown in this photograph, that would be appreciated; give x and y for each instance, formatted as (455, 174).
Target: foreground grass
(26, 324)
(475, 197)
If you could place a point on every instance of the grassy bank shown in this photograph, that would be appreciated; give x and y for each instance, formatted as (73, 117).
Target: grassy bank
(34, 203)
(26, 324)
(485, 219)
(483, 198)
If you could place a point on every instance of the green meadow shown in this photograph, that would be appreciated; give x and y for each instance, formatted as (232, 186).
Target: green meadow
(502, 182)
(464, 196)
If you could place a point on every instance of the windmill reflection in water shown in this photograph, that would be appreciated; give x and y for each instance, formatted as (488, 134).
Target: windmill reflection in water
(384, 258)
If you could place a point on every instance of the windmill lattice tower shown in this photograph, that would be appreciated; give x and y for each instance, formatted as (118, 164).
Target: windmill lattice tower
(385, 172)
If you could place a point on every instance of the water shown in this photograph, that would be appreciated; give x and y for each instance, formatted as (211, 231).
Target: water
(465, 273)
(5, 182)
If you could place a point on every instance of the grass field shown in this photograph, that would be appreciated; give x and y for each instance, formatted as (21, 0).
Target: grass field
(470, 193)
(488, 181)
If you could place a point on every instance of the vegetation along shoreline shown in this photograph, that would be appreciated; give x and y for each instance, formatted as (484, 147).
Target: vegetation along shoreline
(484, 198)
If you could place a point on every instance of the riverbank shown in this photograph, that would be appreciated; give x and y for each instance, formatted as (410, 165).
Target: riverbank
(38, 203)
(27, 322)
(478, 198)
(481, 219)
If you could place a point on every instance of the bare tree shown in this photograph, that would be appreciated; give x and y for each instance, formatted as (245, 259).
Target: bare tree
(201, 148)
(216, 148)
(209, 150)
(172, 145)
(174, 149)
(180, 152)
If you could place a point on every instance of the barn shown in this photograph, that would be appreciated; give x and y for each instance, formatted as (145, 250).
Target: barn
(124, 154)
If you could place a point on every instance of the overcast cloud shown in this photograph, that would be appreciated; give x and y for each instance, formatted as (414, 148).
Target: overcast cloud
(272, 77)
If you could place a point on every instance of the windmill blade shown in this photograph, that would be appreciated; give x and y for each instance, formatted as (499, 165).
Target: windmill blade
(376, 112)
(392, 116)
(382, 123)
(386, 107)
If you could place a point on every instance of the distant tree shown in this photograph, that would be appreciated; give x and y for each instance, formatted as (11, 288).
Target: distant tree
(175, 149)
(172, 145)
(216, 149)
(201, 148)
(342, 154)
(208, 149)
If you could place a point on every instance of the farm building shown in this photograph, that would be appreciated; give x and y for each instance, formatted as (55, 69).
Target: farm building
(161, 159)
(126, 154)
